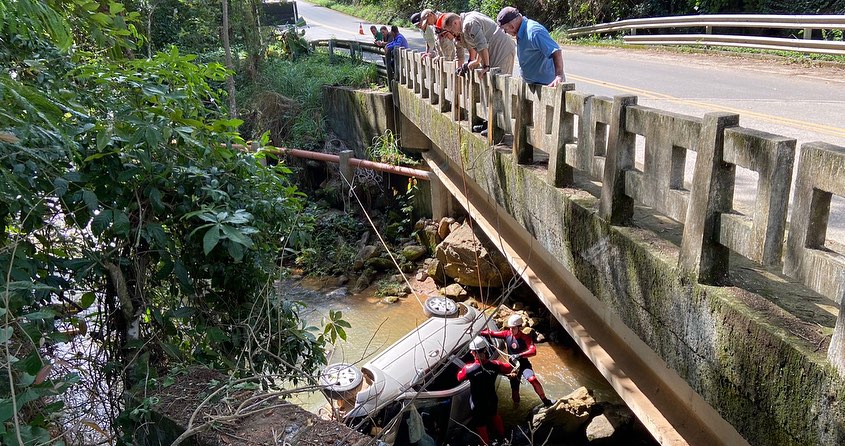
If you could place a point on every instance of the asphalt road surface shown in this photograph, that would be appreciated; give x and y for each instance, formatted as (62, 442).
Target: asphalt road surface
(793, 100)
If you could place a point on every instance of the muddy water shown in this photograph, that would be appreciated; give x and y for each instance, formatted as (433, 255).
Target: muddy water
(376, 325)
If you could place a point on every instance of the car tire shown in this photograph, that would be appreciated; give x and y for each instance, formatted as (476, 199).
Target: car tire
(440, 306)
(340, 377)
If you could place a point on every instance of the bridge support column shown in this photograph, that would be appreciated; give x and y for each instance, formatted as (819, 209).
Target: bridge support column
(702, 256)
(346, 175)
(442, 202)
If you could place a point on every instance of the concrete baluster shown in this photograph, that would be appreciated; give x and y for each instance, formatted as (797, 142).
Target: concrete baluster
(818, 178)
(457, 84)
(583, 106)
(615, 206)
(331, 51)
(428, 85)
(560, 173)
(495, 104)
(473, 96)
(702, 256)
(522, 152)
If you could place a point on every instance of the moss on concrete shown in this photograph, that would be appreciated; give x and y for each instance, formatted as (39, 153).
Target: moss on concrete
(739, 351)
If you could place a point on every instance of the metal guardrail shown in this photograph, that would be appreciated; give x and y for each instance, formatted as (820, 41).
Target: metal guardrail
(355, 50)
(807, 23)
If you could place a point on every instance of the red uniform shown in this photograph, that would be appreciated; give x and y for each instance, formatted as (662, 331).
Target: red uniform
(482, 378)
(520, 348)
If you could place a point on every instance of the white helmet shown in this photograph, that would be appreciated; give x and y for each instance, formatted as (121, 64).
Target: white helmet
(515, 321)
(478, 343)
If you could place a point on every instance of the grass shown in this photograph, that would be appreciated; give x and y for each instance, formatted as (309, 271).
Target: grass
(302, 81)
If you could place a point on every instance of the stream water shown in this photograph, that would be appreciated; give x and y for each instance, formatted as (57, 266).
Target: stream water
(376, 324)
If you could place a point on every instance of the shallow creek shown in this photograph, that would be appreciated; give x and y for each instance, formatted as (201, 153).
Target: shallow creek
(376, 325)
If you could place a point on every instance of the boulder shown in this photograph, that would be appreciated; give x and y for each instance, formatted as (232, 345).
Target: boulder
(455, 292)
(434, 269)
(414, 252)
(444, 227)
(599, 429)
(426, 231)
(364, 280)
(390, 299)
(365, 253)
(613, 419)
(471, 261)
(567, 415)
(380, 263)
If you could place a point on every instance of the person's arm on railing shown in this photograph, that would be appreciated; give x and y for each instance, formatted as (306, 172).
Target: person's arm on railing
(560, 76)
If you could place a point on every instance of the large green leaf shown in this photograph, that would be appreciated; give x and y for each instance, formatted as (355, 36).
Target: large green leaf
(210, 239)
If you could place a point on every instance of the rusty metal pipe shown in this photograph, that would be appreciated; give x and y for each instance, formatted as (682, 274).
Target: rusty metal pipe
(372, 165)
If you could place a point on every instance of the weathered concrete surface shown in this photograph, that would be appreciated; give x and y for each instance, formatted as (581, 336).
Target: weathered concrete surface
(762, 369)
(358, 116)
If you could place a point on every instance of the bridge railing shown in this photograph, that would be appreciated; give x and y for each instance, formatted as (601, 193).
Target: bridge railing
(356, 50)
(598, 137)
(707, 22)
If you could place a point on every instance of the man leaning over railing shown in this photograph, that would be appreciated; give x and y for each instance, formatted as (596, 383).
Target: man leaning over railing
(540, 57)
(488, 47)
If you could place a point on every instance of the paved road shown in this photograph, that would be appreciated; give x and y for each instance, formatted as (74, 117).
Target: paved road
(324, 23)
(794, 101)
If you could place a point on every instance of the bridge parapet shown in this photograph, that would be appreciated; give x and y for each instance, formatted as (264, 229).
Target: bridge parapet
(594, 137)
(602, 143)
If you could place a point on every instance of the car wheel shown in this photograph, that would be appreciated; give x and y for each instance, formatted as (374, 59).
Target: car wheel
(440, 306)
(340, 377)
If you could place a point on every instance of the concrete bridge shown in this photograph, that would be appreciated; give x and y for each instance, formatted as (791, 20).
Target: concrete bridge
(715, 327)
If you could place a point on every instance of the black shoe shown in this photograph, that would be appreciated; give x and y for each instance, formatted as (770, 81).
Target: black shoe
(547, 402)
(484, 133)
(479, 127)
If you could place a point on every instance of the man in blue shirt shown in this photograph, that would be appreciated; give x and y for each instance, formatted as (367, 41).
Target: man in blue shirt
(398, 41)
(539, 55)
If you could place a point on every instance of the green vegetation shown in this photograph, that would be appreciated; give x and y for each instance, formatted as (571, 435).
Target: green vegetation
(134, 237)
(286, 98)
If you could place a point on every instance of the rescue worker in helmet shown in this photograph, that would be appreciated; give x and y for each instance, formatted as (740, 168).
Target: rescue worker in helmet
(482, 375)
(520, 348)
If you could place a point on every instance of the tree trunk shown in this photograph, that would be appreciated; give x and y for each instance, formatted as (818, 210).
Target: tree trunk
(230, 80)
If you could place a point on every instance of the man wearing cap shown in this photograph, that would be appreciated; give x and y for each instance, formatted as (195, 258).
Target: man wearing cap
(420, 20)
(489, 47)
(445, 43)
(539, 55)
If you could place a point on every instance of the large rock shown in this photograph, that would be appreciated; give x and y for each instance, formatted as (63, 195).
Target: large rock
(365, 253)
(614, 418)
(599, 428)
(444, 227)
(455, 292)
(567, 415)
(414, 252)
(426, 232)
(471, 261)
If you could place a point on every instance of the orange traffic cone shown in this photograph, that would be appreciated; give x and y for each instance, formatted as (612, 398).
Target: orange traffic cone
(360, 28)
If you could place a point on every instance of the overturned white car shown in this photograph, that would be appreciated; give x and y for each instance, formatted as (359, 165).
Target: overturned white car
(420, 369)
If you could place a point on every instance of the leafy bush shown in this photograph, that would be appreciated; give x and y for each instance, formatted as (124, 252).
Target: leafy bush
(129, 219)
(302, 82)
